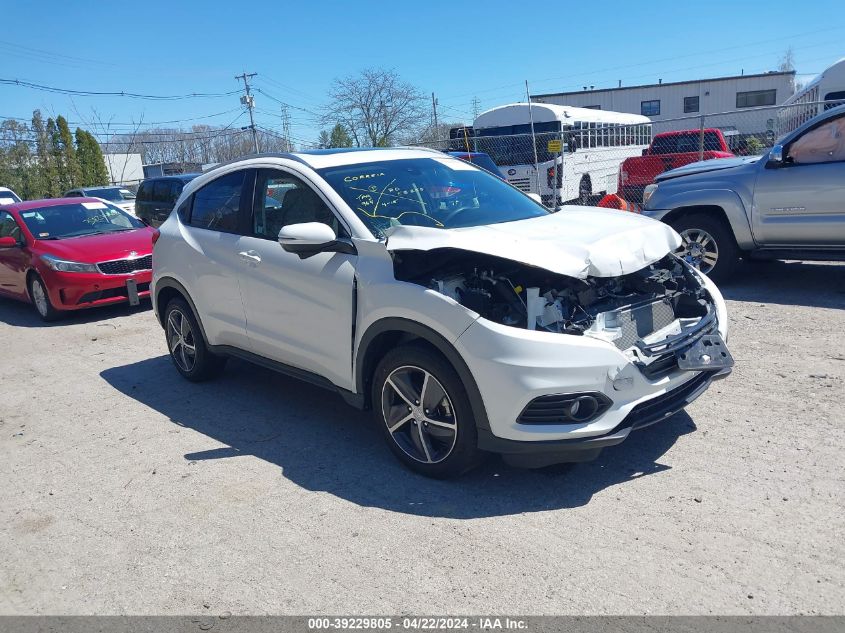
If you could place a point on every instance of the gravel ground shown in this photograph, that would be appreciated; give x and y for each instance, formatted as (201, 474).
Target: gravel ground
(126, 489)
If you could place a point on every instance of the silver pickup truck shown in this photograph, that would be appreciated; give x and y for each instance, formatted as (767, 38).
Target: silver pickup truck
(786, 204)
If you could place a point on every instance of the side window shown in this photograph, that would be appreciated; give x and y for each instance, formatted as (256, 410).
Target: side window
(822, 144)
(184, 210)
(175, 190)
(143, 191)
(282, 199)
(216, 205)
(8, 226)
(73, 194)
(161, 191)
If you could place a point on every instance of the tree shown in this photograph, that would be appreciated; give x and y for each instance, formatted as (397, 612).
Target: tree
(92, 166)
(375, 107)
(70, 174)
(46, 179)
(16, 164)
(339, 137)
(324, 141)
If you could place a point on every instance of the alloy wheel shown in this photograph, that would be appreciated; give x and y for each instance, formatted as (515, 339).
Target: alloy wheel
(39, 298)
(699, 249)
(180, 341)
(419, 414)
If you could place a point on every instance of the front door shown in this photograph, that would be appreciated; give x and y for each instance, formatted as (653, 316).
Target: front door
(801, 203)
(13, 260)
(299, 311)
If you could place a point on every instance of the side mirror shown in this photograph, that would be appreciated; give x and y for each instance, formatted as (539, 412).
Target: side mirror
(309, 238)
(645, 152)
(8, 242)
(776, 156)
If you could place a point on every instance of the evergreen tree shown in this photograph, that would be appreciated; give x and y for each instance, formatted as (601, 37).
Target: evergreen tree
(340, 137)
(45, 178)
(70, 175)
(91, 163)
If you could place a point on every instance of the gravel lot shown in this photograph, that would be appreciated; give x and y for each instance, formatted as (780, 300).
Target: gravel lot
(126, 489)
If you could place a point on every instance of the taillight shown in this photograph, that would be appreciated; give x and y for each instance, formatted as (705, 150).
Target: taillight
(156, 235)
(550, 177)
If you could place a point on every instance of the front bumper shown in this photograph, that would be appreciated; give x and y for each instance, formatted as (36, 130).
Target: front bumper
(76, 291)
(513, 367)
(546, 452)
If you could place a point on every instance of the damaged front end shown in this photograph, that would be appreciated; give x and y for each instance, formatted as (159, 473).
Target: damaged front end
(661, 317)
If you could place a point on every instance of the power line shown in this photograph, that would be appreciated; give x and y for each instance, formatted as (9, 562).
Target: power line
(133, 95)
(134, 124)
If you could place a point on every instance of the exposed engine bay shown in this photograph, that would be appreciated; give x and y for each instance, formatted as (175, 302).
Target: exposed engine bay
(654, 304)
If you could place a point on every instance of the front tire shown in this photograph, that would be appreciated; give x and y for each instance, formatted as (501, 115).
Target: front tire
(708, 245)
(41, 300)
(186, 344)
(423, 410)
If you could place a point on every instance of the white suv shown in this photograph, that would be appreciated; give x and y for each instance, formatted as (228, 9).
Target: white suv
(465, 314)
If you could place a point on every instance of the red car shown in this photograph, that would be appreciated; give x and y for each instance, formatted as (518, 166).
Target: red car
(73, 253)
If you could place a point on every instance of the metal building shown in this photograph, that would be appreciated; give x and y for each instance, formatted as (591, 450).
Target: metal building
(687, 99)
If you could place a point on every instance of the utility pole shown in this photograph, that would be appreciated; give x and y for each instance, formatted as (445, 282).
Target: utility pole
(434, 110)
(249, 101)
(286, 128)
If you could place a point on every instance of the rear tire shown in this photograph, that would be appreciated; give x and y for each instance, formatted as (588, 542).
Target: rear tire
(585, 190)
(422, 408)
(709, 245)
(186, 344)
(41, 300)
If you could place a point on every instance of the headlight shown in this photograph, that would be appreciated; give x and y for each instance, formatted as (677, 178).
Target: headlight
(648, 192)
(65, 266)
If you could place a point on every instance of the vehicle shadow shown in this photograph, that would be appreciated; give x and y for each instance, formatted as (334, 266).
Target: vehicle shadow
(322, 444)
(22, 314)
(814, 284)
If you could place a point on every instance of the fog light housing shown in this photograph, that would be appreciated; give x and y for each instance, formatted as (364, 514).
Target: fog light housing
(571, 408)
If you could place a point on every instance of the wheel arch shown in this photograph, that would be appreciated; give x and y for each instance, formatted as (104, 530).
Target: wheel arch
(167, 289)
(387, 333)
(725, 204)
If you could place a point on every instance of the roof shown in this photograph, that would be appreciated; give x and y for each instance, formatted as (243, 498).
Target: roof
(774, 73)
(318, 159)
(49, 202)
(518, 114)
(173, 177)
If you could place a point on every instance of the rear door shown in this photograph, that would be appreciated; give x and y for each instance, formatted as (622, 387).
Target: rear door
(299, 311)
(213, 226)
(801, 203)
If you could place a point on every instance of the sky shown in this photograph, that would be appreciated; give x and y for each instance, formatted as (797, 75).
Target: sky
(460, 51)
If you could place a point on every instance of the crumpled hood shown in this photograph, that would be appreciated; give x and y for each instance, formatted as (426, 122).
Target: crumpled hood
(578, 242)
(704, 166)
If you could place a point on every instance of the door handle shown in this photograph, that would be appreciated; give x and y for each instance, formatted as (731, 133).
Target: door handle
(250, 257)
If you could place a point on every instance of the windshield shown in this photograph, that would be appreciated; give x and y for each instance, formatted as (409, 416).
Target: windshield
(75, 220)
(435, 192)
(482, 160)
(113, 194)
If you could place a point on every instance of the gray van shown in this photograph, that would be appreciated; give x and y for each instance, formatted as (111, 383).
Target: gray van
(156, 197)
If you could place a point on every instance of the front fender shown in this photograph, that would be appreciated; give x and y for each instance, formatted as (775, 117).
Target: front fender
(671, 204)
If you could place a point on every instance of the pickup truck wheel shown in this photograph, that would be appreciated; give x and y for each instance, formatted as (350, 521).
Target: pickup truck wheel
(423, 410)
(708, 245)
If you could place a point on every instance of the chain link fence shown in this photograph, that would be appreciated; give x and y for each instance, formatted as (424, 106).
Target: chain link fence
(586, 161)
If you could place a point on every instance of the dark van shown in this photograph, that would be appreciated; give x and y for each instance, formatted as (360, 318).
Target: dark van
(157, 196)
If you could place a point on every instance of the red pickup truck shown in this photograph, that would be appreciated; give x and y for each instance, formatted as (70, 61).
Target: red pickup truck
(668, 151)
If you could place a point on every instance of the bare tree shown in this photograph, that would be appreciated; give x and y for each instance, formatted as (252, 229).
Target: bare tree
(376, 106)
